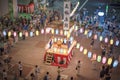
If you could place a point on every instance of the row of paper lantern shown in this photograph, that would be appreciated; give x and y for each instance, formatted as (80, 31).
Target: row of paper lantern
(96, 57)
(66, 33)
(63, 40)
(20, 34)
(101, 38)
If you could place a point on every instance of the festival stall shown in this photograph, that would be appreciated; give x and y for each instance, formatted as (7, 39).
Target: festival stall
(25, 6)
(59, 51)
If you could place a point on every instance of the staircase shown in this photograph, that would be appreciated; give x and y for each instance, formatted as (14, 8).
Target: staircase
(49, 57)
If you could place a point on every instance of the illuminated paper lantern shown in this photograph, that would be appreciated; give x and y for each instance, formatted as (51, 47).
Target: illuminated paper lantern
(9, 33)
(95, 36)
(115, 63)
(76, 28)
(61, 40)
(94, 56)
(101, 38)
(31, 34)
(42, 31)
(78, 45)
(65, 51)
(26, 34)
(56, 31)
(111, 41)
(104, 59)
(65, 41)
(117, 43)
(20, 34)
(90, 34)
(86, 32)
(61, 32)
(55, 49)
(15, 34)
(81, 48)
(68, 35)
(55, 39)
(47, 30)
(89, 54)
(98, 58)
(81, 30)
(65, 33)
(85, 51)
(37, 33)
(71, 38)
(109, 61)
(61, 50)
(4, 33)
(106, 40)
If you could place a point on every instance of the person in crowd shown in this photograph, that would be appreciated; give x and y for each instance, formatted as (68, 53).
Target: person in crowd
(102, 73)
(32, 75)
(37, 71)
(58, 77)
(78, 67)
(20, 68)
(47, 76)
(4, 74)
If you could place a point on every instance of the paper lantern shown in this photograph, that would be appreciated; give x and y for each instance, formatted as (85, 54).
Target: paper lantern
(89, 54)
(98, 58)
(65, 41)
(68, 35)
(78, 45)
(117, 43)
(65, 33)
(104, 59)
(111, 41)
(95, 36)
(85, 51)
(65, 51)
(94, 56)
(109, 61)
(15, 34)
(26, 34)
(31, 34)
(20, 34)
(61, 32)
(9, 33)
(61, 40)
(71, 38)
(55, 49)
(4, 33)
(106, 40)
(90, 34)
(55, 39)
(115, 63)
(61, 50)
(56, 31)
(86, 32)
(47, 30)
(76, 28)
(101, 38)
(37, 33)
(81, 30)
(42, 31)
(81, 48)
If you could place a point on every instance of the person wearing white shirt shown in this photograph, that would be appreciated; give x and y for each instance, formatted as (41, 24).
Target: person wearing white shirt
(37, 71)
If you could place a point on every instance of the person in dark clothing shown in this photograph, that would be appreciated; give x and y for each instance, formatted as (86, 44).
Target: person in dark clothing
(58, 77)
(108, 77)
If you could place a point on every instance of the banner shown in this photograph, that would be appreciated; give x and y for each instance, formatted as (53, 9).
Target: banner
(66, 23)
